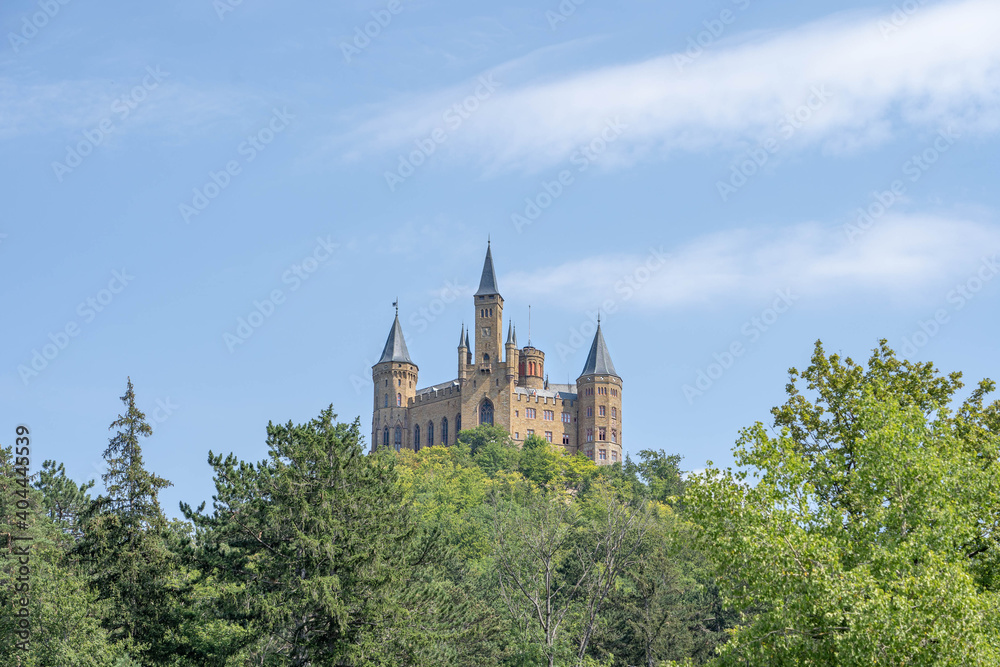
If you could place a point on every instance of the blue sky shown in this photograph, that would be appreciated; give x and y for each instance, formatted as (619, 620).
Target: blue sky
(727, 181)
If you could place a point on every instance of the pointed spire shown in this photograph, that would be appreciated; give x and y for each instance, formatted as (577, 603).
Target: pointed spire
(510, 333)
(462, 337)
(515, 336)
(488, 282)
(395, 346)
(467, 339)
(599, 359)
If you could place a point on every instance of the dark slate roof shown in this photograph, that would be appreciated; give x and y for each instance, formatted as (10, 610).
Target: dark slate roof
(510, 334)
(488, 283)
(395, 346)
(467, 339)
(599, 359)
(461, 343)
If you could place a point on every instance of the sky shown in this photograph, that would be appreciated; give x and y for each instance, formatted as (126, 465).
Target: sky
(221, 199)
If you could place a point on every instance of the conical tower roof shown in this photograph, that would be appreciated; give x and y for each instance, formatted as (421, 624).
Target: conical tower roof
(599, 359)
(488, 283)
(395, 346)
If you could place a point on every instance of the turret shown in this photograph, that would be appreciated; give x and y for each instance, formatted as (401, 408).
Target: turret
(463, 355)
(511, 354)
(599, 391)
(395, 378)
(531, 369)
(489, 319)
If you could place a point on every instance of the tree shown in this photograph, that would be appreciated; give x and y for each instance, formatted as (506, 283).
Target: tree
(328, 565)
(63, 499)
(871, 523)
(123, 548)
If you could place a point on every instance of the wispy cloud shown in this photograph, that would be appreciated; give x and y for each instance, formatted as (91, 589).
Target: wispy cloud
(940, 65)
(172, 108)
(904, 257)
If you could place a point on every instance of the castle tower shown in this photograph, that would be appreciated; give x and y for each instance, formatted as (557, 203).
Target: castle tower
(489, 319)
(599, 390)
(511, 355)
(463, 356)
(395, 378)
(531, 368)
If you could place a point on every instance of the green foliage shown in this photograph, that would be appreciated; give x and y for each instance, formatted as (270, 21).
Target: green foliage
(871, 522)
(123, 550)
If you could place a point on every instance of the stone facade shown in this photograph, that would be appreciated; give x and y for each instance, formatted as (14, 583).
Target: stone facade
(501, 384)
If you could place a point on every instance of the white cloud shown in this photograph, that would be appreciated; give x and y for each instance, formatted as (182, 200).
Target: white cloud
(70, 106)
(941, 66)
(900, 257)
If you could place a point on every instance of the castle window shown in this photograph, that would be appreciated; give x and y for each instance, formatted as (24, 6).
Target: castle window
(565, 438)
(614, 414)
(430, 434)
(614, 435)
(602, 435)
(486, 412)
(548, 415)
(590, 434)
(590, 412)
(486, 358)
(603, 454)
(517, 413)
(529, 413)
(444, 431)
(531, 432)
(385, 437)
(548, 436)
(416, 438)
(399, 400)
(517, 435)
(398, 438)
(399, 383)
(600, 411)
(566, 418)
(590, 454)
(614, 455)
(386, 402)
(458, 425)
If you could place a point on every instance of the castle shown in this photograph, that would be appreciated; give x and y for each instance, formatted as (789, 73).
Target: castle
(498, 384)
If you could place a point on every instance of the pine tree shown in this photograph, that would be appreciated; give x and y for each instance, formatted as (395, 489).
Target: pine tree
(124, 548)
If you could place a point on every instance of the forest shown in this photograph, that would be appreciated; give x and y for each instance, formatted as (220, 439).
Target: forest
(858, 526)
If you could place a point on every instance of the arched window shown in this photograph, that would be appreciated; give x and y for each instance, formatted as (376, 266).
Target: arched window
(444, 431)
(486, 412)
(430, 434)
(399, 400)
(486, 358)
(385, 437)
(386, 402)
(614, 413)
(416, 438)
(398, 438)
